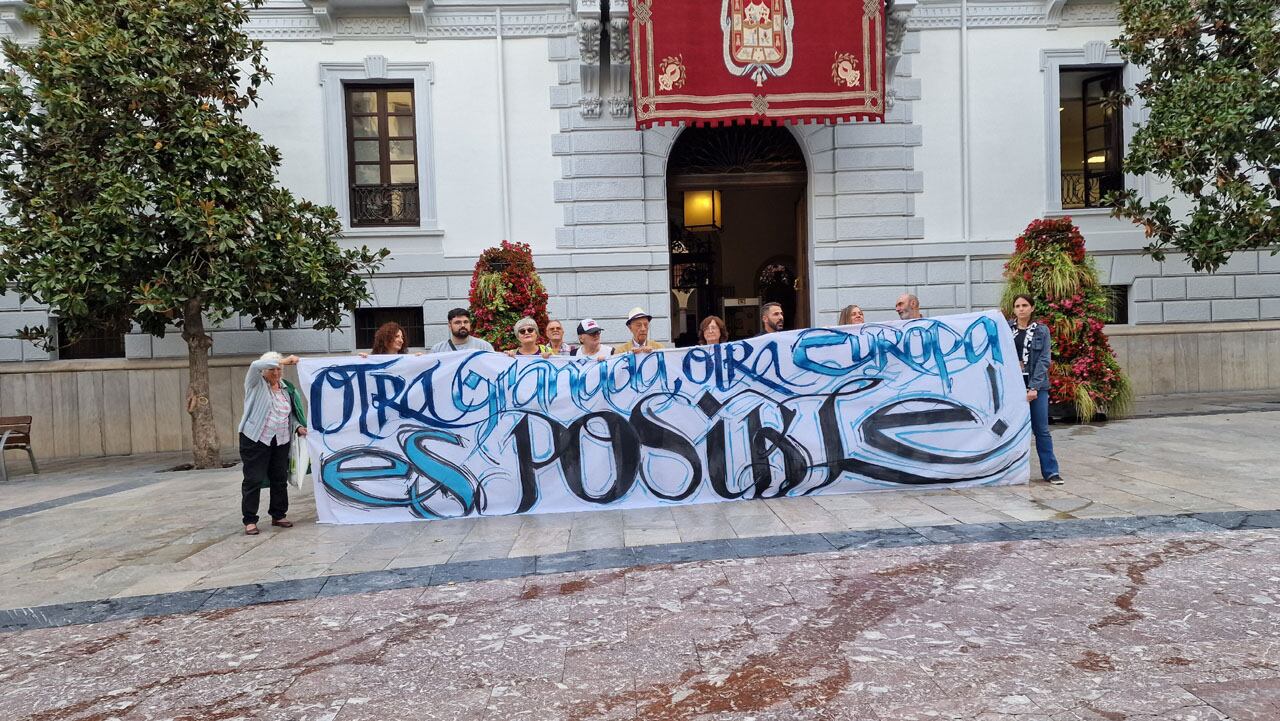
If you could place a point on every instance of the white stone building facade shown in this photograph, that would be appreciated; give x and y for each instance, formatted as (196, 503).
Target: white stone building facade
(523, 131)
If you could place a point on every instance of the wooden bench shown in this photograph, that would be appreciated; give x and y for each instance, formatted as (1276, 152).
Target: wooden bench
(15, 434)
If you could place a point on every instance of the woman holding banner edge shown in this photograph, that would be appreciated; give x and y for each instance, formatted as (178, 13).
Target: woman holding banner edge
(1034, 345)
(272, 416)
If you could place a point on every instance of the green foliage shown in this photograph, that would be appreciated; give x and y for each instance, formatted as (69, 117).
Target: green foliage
(134, 191)
(1049, 264)
(1213, 96)
(505, 287)
(491, 291)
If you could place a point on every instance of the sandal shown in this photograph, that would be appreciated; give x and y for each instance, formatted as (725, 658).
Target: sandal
(281, 523)
(250, 529)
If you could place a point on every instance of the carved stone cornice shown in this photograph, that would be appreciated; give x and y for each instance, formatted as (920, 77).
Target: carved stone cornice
(589, 40)
(1020, 13)
(619, 62)
(534, 23)
(1053, 13)
(898, 17)
(323, 16)
(433, 23)
(375, 27)
(418, 19)
(620, 106)
(619, 40)
(590, 30)
(1083, 14)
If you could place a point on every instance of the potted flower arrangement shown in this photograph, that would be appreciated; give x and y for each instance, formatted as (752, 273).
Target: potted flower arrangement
(505, 287)
(1049, 263)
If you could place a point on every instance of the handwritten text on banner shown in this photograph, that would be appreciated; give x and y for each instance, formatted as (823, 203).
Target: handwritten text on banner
(933, 402)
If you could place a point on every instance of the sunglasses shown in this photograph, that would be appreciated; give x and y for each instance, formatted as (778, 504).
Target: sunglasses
(522, 331)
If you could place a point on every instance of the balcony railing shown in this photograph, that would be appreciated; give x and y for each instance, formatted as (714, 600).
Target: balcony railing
(1081, 191)
(384, 204)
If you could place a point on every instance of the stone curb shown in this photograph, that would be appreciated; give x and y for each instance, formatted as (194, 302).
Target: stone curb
(114, 609)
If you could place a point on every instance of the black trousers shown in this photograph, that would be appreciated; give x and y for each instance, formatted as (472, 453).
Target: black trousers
(263, 461)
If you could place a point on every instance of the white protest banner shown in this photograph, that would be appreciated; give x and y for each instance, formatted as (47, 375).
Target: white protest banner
(936, 402)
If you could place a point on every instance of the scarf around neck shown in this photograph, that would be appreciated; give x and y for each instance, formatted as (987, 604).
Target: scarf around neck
(1026, 346)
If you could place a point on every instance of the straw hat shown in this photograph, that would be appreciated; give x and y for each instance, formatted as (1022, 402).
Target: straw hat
(637, 313)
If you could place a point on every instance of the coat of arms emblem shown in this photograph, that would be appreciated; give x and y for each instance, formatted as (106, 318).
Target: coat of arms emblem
(757, 37)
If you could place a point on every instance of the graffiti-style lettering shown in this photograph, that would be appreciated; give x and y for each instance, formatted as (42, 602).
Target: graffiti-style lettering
(826, 410)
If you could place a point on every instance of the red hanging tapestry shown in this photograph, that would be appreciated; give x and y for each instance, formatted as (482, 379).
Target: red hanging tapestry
(709, 62)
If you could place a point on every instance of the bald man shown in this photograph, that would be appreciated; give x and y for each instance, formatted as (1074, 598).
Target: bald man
(908, 307)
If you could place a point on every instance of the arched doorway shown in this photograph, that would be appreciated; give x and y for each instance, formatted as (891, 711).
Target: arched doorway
(755, 176)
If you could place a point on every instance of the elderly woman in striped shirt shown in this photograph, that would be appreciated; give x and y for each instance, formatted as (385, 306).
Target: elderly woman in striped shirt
(272, 417)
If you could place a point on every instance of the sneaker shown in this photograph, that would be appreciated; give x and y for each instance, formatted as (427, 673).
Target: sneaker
(1056, 480)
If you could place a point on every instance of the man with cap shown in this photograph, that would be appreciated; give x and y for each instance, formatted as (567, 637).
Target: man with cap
(589, 337)
(638, 324)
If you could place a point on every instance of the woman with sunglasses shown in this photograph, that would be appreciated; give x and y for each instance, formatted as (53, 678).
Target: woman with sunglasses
(527, 335)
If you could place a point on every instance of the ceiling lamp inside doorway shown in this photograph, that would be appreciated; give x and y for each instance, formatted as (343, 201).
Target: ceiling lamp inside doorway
(702, 210)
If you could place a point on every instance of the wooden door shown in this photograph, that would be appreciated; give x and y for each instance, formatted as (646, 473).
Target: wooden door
(802, 265)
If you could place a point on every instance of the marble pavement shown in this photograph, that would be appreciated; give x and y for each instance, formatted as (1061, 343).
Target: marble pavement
(1146, 588)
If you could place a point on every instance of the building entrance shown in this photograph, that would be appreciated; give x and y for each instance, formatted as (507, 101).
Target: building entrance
(737, 229)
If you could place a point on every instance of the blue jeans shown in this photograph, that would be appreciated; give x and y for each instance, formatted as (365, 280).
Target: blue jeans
(1044, 442)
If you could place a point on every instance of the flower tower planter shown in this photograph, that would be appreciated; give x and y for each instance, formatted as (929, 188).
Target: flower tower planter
(1049, 263)
(505, 287)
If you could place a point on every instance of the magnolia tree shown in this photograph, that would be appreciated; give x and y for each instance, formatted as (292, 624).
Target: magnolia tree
(1050, 265)
(1212, 90)
(134, 193)
(505, 287)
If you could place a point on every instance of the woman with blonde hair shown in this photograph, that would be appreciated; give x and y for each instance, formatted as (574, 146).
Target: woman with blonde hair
(851, 315)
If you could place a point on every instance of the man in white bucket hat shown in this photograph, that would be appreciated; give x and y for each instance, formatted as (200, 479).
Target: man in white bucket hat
(638, 324)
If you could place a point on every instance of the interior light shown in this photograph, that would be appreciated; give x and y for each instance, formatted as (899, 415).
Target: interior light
(702, 210)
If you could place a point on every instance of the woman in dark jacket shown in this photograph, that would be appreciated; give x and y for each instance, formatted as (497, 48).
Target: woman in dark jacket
(1034, 346)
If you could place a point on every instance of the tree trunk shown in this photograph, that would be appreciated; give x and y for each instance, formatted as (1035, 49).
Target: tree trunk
(204, 433)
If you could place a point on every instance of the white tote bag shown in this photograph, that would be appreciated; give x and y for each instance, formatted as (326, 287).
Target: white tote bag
(299, 461)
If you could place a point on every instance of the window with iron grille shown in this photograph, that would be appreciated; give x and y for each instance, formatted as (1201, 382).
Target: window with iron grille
(382, 155)
(369, 320)
(97, 343)
(1118, 304)
(1091, 135)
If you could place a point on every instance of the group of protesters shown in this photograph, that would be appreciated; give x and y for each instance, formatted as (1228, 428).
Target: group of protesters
(390, 338)
(273, 412)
